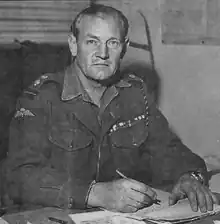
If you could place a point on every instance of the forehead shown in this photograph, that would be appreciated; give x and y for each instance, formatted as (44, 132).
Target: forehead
(105, 28)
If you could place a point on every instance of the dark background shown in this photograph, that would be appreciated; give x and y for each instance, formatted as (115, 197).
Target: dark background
(18, 69)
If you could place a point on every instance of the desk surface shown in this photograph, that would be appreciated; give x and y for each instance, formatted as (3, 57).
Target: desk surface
(40, 216)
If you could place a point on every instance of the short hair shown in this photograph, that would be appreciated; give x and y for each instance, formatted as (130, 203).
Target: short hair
(100, 11)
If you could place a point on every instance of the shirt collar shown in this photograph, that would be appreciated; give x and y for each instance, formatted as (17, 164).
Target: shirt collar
(73, 88)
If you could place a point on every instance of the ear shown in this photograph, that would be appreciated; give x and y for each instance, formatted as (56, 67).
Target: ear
(125, 46)
(72, 44)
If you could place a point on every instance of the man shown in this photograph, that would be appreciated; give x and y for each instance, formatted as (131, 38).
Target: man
(74, 130)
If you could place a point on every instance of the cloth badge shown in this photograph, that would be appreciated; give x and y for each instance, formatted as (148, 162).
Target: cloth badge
(127, 124)
(23, 113)
(41, 79)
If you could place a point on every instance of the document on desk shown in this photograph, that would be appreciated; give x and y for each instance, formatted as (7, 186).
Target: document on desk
(2, 221)
(103, 217)
(163, 213)
(178, 213)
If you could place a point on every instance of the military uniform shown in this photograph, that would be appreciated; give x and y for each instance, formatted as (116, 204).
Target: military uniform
(60, 142)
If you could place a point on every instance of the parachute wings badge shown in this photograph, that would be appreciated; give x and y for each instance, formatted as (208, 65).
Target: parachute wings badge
(23, 113)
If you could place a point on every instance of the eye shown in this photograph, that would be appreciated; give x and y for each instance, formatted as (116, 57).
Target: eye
(114, 44)
(92, 42)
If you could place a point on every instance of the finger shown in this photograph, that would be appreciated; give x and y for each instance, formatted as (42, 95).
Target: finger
(138, 204)
(141, 187)
(214, 198)
(192, 197)
(140, 197)
(201, 199)
(142, 201)
(208, 197)
(129, 208)
(175, 196)
(147, 191)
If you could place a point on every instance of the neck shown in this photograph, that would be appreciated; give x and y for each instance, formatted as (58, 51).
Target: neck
(94, 89)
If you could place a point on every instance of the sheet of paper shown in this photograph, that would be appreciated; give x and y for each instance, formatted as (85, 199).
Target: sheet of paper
(176, 213)
(2, 221)
(103, 217)
(162, 213)
(179, 211)
(92, 217)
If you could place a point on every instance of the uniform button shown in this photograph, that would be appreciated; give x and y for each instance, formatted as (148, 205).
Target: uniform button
(71, 203)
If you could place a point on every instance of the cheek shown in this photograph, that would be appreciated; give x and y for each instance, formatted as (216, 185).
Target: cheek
(115, 58)
(85, 54)
(85, 58)
(115, 54)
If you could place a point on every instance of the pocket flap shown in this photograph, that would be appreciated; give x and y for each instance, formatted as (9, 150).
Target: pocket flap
(69, 139)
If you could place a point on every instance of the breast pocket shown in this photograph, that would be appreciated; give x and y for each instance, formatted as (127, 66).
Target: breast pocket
(69, 139)
(72, 150)
(129, 134)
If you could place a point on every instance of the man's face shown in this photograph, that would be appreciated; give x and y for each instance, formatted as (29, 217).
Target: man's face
(99, 47)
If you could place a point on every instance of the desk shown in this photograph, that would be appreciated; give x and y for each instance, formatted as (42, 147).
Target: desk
(40, 216)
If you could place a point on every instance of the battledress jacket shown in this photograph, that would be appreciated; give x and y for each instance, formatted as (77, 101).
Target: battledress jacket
(60, 142)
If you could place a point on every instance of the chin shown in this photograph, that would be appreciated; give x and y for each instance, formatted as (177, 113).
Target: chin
(108, 80)
(102, 76)
(106, 77)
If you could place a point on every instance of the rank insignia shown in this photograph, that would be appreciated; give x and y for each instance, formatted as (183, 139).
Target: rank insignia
(129, 123)
(40, 80)
(23, 113)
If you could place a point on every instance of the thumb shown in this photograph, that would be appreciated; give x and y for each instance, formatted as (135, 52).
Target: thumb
(176, 195)
(173, 198)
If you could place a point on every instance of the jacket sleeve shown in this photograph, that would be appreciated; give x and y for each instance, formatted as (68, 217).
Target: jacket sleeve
(30, 178)
(169, 157)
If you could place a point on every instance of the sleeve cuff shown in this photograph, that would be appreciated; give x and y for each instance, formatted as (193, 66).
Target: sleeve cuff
(74, 194)
(88, 192)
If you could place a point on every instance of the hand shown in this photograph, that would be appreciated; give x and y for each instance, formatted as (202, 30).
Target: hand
(123, 195)
(199, 195)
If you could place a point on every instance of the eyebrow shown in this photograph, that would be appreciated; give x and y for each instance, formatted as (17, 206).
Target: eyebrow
(92, 36)
(97, 38)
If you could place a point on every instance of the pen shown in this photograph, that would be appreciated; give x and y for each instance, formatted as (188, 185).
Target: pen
(57, 220)
(156, 201)
(121, 174)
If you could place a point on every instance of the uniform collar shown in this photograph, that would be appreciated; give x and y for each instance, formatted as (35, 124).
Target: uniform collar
(73, 88)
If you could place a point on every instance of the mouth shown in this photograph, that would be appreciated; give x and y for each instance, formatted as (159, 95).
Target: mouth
(101, 64)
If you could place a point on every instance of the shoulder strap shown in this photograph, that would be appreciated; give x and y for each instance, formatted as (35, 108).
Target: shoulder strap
(36, 86)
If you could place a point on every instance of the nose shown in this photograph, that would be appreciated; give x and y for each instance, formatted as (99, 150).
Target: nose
(103, 52)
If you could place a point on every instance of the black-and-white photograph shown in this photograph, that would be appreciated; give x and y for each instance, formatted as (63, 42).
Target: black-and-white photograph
(110, 112)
